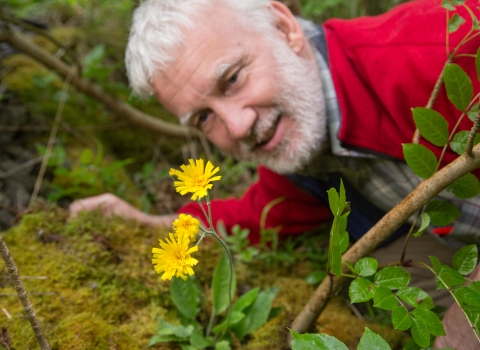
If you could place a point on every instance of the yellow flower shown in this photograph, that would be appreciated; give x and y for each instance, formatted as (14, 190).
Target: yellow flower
(194, 178)
(173, 258)
(186, 225)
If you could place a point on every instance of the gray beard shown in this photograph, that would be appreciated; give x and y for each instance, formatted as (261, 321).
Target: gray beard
(300, 98)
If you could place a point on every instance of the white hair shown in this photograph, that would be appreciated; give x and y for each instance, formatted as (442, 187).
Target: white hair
(157, 31)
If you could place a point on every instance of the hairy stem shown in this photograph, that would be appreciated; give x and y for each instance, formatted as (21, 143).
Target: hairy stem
(23, 295)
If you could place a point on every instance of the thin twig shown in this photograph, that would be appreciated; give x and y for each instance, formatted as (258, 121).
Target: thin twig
(23, 295)
(472, 135)
(53, 134)
(20, 167)
(433, 96)
(67, 128)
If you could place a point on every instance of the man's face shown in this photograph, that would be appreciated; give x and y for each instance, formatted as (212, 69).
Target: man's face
(253, 97)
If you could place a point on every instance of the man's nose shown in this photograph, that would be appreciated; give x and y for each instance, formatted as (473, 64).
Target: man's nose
(238, 120)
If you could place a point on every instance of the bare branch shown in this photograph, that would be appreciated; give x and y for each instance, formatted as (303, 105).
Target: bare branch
(23, 295)
(116, 106)
(471, 136)
(424, 192)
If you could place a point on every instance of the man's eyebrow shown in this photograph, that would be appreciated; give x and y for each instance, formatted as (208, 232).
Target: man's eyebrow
(221, 74)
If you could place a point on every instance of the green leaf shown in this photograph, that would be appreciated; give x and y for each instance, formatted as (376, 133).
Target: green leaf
(180, 331)
(473, 112)
(467, 186)
(342, 201)
(401, 319)
(245, 300)
(366, 267)
(471, 294)
(459, 142)
(450, 277)
(316, 342)
(222, 345)
(392, 277)
(186, 296)
(416, 297)
(372, 341)
(477, 63)
(450, 4)
(441, 213)
(220, 285)
(334, 201)
(420, 333)
(455, 22)
(384, 299)
(163, 339)
(257, 314)
(432, 125)
(473, 313)
(460, 295)
(235, 317)
(351, 267)
(86, 157)
(437, 265)
(316, 277)
(420, 159)
(361, 290)
(423, 227)
(459, 86)
(465, 260)
(342, 233)
(434, 325)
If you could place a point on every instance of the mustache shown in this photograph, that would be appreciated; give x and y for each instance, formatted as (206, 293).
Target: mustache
(261, 134)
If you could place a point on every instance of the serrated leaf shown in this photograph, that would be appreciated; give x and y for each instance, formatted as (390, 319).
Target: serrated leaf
(416, 297)
(425, 222)
(366, 267)
(471, 293)
(437, 265)
(459, 86)
(432, 125)
(220, 285)
(334, 201)
(401, 319)
(465, 260)
(316, 342)
(467, 186)
(361, 290)
(392, 277)
(450, 277)
(459, 142)
(186, 296)
(384, 299)
(441, 213)
(455, 22)
(420, 333)
(372, 341)
(477, 63)
(257, 314)
(245, 300)
(420, 159)
(434, 325)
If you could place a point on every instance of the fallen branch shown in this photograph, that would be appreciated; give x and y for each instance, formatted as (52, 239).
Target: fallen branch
(116, 106)
(424, 192)
(23, 295)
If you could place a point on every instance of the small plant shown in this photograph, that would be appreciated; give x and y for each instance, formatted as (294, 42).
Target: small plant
(174, 259)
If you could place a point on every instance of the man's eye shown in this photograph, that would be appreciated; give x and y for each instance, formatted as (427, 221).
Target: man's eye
(232, 80)
(202, 117)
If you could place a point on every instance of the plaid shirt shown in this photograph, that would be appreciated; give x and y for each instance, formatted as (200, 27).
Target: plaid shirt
(384, 182)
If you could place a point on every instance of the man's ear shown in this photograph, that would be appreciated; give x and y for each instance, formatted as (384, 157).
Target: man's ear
(288, 26)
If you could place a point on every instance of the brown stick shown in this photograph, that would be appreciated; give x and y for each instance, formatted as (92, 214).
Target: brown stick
(116, 106)
(424, 192)
(23, 295)
(471, 136)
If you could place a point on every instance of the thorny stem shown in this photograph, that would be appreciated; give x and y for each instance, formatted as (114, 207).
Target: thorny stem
(451, 293)
(471, 136)
(23, 295)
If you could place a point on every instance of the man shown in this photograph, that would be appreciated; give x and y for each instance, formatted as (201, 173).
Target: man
(311, 104)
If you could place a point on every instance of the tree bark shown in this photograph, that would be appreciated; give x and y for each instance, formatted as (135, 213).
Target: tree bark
(424, 192)
(116, 106)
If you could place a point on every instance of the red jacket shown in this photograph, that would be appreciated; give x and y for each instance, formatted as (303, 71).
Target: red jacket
(381, 67)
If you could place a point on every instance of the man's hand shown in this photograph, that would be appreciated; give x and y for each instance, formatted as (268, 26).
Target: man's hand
(110, 205)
